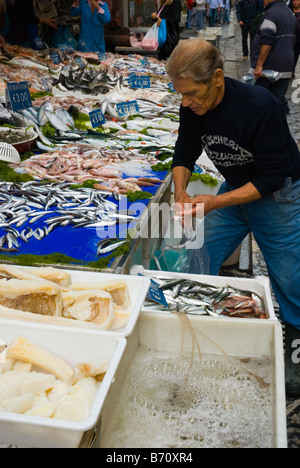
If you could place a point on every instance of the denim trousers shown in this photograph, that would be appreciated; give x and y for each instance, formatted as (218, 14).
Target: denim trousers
(200, 18)
(274, 221)
(212, 16)
(189, 19)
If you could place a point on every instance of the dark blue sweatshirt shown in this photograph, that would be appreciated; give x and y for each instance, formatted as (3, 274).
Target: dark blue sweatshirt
(246, 137)
(277, 29)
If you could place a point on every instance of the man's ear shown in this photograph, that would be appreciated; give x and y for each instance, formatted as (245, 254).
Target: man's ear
(219, 77)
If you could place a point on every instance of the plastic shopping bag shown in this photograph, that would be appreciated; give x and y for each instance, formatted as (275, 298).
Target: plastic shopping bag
(183, 250)
(162, 33)
(150, 41)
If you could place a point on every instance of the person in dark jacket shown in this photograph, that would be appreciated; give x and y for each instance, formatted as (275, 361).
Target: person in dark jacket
(273, 48)
(170, 10)
(2, 19)
(23, 23)
(243, 130)
(246, 12)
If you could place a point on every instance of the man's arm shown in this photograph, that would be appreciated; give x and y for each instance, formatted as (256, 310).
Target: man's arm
(265, 50)
(181, 177)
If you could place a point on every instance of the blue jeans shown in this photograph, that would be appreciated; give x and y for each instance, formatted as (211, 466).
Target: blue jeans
(189, 19)
(200, 17)
(275, 223)
(212, 16)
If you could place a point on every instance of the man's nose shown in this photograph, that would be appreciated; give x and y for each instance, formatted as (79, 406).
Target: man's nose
(186, 101)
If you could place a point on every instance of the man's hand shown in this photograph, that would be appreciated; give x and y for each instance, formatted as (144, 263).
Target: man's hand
(49, 22)
(258, 72)
(241, 23)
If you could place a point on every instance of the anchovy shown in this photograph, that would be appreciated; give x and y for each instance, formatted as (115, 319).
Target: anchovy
(197, 298)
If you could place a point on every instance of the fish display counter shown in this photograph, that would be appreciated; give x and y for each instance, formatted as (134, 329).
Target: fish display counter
(83, 194)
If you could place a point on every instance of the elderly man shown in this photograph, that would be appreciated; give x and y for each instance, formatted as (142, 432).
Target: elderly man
(243, 130)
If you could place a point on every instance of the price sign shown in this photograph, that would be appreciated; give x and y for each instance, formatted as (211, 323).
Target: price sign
(62, 47)
(97, 118)
(19, 95)
(139, 82)
(127, 108)
(171, 87)
(80, 62)
(55, 58)
(102, 56)
(38, 42)
(156, 294)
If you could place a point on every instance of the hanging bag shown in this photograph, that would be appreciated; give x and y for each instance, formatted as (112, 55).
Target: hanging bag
(162, 33)
(150, 41)
(171, 42)
(162, 30)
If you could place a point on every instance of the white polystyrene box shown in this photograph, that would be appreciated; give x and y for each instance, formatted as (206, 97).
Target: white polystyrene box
(259, 285)
(75, 347)
(138, 287)
(239, 338)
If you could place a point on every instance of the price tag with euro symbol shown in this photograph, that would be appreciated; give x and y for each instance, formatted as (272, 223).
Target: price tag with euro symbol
(97, 118)
(19, 95)
(139, 82)
(127, 108)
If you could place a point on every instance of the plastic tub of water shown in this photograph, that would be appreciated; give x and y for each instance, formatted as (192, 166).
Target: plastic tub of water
(198, 383)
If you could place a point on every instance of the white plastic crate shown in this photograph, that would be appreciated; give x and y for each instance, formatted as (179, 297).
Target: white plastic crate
(240, 339)
(75, 347)
(259, 285)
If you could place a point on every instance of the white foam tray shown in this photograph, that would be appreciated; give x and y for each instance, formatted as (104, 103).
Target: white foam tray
(259, 285)
(138, 288)
(75, 347)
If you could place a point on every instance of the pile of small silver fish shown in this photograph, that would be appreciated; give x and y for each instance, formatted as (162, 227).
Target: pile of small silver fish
(55, 205)
(196, 298)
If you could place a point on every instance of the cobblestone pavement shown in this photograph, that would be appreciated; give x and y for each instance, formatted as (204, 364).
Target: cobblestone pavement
(235, 67)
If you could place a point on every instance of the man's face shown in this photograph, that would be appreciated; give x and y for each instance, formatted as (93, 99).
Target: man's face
(200, 97)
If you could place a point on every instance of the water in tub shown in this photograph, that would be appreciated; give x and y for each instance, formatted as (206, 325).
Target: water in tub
(171, 401)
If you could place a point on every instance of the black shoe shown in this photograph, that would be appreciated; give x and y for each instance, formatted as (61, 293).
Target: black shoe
(292, 360)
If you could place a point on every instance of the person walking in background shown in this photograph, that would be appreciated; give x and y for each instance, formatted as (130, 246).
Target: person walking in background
(24, 23)
(213, 8)
(170, 10)
(273, 49)
(94, 16)
(2, 20)
(189, 10)
(295, 7)
(201, 8)
(246, 12)
(226, 16)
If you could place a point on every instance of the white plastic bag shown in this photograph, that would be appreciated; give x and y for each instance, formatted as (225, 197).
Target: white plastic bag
(150, 41)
